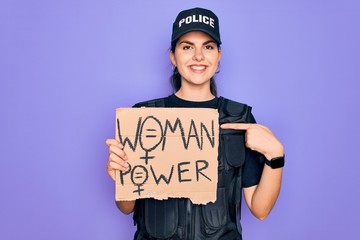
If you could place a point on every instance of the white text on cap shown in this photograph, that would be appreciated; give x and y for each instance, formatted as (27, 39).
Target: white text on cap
(204, 19)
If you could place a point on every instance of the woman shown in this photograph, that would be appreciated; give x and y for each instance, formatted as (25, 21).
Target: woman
(244, 146)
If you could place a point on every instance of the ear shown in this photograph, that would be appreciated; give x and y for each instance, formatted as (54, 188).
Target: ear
(172, 58)
(220, 54)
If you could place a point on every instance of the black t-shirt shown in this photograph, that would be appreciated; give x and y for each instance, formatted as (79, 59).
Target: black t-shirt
(252, 167)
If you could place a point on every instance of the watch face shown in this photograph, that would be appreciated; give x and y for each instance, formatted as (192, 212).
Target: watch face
(277, 162)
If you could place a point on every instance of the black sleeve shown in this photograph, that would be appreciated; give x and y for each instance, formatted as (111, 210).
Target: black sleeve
(252, 168)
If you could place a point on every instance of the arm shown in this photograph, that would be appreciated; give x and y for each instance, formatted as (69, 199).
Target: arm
(262, 197)
(117, 160)
(126, 207)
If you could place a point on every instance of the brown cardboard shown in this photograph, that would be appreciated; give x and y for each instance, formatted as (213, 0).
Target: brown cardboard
(179, 143)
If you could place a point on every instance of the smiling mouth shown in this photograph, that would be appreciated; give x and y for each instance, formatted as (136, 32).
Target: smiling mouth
(198, 67)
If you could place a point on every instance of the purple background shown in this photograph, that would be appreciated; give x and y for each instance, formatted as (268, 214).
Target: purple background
(66, 65)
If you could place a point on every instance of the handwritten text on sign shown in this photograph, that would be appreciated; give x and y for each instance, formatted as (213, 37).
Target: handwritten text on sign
(172, 153)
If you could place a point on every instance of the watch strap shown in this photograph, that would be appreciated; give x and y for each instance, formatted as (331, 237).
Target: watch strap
(277, 162)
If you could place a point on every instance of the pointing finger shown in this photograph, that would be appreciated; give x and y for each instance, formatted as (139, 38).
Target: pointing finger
(237, 126)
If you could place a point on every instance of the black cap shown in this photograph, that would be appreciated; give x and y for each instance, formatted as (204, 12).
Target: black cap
(196, 19)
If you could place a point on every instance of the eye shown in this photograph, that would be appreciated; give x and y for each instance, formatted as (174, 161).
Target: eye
(209, 47)
(187, 47)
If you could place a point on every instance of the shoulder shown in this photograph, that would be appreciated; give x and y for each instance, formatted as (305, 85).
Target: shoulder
(157, 102)
(233, 106)
(230, 109)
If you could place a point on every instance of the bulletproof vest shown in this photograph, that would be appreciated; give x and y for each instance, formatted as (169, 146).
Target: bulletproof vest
(178, 218)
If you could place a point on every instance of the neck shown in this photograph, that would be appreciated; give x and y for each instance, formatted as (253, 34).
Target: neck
(198, 94)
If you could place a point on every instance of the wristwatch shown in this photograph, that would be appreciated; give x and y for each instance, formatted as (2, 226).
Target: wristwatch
(274, 163)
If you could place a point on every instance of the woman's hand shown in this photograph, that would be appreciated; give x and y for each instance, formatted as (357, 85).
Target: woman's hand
(262, 197)
(259, 138)
(117, 159)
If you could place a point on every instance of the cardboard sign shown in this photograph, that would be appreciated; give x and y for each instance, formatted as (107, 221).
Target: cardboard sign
(172, 153)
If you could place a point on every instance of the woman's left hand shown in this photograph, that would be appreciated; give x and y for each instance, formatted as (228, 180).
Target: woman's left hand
(259, 138)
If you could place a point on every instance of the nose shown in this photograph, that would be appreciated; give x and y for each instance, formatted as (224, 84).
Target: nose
(198, 55)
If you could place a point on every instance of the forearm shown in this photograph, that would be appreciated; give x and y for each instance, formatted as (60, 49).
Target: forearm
(266, 193)
(126, 207)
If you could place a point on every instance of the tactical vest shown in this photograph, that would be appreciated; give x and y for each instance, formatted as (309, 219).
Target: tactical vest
(178, 218)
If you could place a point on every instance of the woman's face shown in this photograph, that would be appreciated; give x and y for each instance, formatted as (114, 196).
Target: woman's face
(196, 57)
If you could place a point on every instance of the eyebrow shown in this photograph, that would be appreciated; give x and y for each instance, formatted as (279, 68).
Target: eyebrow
(191, 43)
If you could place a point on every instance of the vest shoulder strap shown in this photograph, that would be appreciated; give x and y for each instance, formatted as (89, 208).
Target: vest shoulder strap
(159, 102)
(230, 110)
